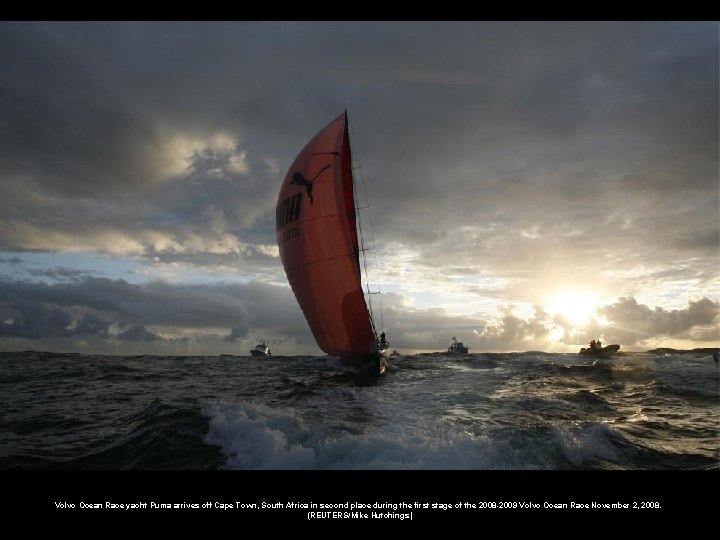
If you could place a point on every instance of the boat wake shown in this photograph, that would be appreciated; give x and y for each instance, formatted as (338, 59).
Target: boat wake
(441, 411)
(260, 437)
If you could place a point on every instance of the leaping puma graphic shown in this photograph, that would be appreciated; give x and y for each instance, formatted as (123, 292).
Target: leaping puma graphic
(299, 180)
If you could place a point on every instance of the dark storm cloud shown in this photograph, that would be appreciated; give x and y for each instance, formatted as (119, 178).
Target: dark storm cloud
(35, 321)
(592, 141)
(107, 150)
(37, 310)
(538, 153)
(231, 313)
(61, 273)
(155, 303)
(466, 119)
(236, 332)
(93, 325)
(90, 141)
(138, 332)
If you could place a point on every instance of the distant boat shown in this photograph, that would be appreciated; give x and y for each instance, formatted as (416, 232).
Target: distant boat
(261, 349)
(320, 249)
(457, 347)
(602, 352)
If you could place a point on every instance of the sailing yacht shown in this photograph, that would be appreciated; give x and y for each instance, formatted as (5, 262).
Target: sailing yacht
(320, 249)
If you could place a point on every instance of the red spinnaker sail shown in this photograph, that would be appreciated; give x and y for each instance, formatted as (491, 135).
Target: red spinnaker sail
(316, 233)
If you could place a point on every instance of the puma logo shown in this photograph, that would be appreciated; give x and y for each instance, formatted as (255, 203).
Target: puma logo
(299, 180)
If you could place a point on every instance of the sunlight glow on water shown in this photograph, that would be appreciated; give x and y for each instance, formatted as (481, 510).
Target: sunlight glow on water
(477, 411)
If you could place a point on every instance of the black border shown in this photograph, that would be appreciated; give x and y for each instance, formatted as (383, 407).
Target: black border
(28, 495)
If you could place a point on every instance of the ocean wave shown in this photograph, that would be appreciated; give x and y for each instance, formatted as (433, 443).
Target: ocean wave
(253, 436)
(479, 411)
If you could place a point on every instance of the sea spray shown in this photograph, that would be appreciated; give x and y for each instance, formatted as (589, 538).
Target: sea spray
(476, 411)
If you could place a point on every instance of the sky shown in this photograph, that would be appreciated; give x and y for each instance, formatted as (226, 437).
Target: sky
(532, 186)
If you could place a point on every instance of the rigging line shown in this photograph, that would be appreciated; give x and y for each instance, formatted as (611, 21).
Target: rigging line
(363, 249)
(372, 234)
(367, 281)
(367, 273)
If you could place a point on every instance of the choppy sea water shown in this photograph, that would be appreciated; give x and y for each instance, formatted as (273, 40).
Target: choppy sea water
(479, 411)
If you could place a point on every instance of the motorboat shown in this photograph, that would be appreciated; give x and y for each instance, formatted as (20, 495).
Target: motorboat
(261, 349)
(457, 347)
(600, 352)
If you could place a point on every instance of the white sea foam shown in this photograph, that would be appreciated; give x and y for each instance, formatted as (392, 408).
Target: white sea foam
(587, 442)
(253, 436)
(445, 413)
(503, 412)
(257, 437)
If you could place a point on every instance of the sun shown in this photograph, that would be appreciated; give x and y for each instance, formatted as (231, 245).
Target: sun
(576, 307)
